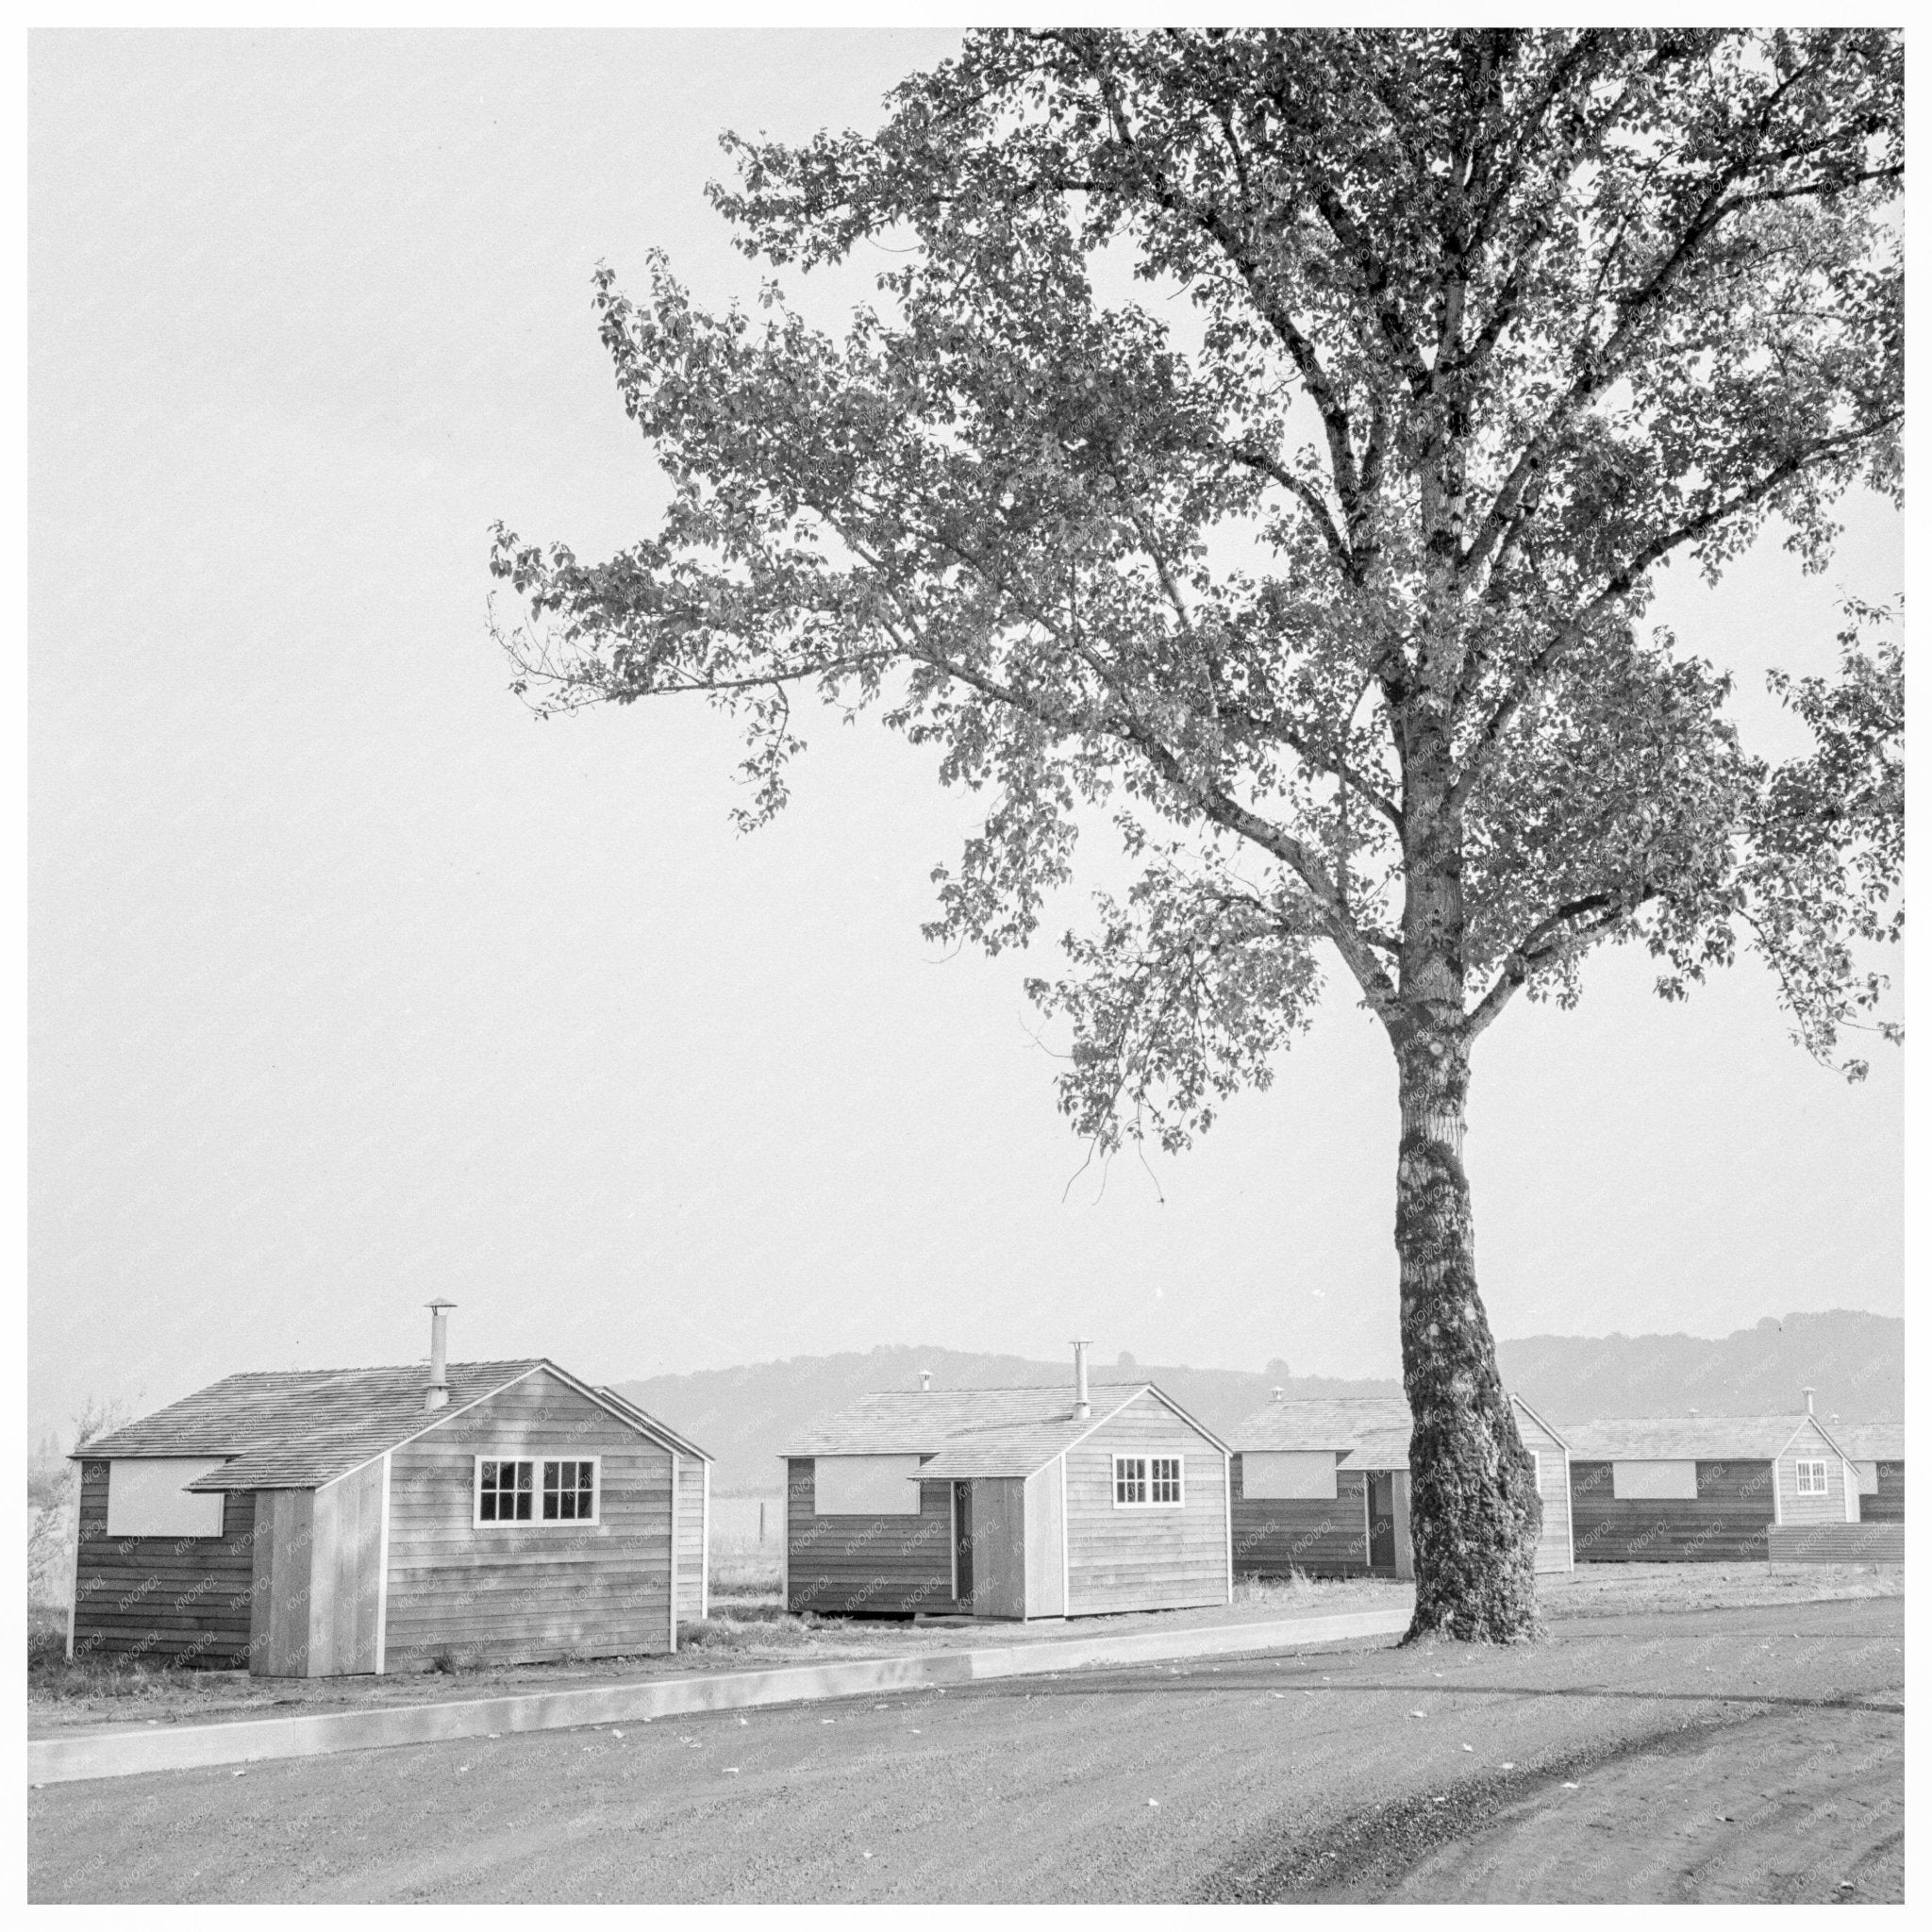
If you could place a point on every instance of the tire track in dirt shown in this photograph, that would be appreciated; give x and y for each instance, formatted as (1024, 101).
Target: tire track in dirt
(1772, 1803)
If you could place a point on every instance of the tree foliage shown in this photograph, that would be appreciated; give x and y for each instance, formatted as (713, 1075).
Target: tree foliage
(1328, 560)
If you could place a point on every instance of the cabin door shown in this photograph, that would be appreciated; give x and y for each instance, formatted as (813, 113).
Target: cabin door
(1381, 1521)
(963, 1541)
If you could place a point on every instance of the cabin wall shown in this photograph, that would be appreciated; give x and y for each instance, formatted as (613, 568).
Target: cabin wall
(1552, 1491)
(999, 1546)
(284, 1554)
(1318, 1538)
(1887, 1504)
(1046, 1570)
(847, 1565)
(527, 1593)
(168, 1599)
(1727, 1520)
(692, 1552)
(1145, 1558)
(1811, 1446)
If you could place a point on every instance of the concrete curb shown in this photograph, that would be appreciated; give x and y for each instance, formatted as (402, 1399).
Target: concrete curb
(125, 1753)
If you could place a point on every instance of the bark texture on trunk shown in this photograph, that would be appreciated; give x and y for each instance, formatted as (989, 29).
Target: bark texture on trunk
(1474, 1509)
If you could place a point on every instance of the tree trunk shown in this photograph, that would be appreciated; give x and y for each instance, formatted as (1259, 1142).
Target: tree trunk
(1474, 1511)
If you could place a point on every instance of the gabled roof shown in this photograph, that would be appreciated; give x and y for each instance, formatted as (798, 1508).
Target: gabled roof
(977, 1432)
(1690, 1438)
(1337, 1422)
(301, 1428)
(1379, 1449)
(1872, 1441)
(1364, 1431)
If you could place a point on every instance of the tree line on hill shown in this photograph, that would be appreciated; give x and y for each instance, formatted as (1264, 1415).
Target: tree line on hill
(747, 1417)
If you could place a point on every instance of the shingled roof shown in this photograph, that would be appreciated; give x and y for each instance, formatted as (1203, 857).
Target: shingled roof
(1872, 1441)
(1688, 1438)
(300, 1428)
(976, 1432)
(1337, 1422)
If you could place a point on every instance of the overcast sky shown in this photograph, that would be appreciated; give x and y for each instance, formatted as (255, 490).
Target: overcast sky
(352, 984)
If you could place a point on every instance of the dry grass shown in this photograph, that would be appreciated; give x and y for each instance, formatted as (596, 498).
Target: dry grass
(1612, 1589)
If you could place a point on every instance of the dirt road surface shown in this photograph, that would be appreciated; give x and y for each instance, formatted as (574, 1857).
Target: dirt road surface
(1736, 1754)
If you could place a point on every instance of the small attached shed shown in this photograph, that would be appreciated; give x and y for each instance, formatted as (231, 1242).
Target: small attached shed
(330, 1523)
(1301, 1503)
(1008, 1504)
(1703, 1487)
(1323, 1486)
(1876, 1452)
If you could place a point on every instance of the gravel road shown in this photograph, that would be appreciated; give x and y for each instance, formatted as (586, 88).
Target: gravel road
(1737, 1753)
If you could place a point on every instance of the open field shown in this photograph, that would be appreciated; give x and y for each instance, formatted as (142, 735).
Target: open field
(1739, 1753)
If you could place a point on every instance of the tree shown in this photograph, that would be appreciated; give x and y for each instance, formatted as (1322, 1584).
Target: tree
(1324, 574)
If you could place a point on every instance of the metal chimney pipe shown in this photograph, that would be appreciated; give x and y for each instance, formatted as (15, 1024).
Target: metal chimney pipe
(1082, 1407)
(436, 1395)
(1809, 1394)
(924, 1380)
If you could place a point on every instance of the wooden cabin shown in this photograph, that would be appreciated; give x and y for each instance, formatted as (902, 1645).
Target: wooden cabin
(1008, 1504)
(1876, 1452)
(327, 1523)
(1702, 1488)
(1323, 1486)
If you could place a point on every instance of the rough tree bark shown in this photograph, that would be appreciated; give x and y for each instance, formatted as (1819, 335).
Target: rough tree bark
(1474, 1511)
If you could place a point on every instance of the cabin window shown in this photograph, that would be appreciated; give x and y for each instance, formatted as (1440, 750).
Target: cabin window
(1811, 1479)
(527, 1488)
(149, 1496)
(1147, 1482)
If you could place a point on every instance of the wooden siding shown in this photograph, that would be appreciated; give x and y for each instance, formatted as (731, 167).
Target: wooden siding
(1811, 1446)
(534, 1592)
(1727, 1520)
(691, 1538)
(1887, 1505)
(173, 1599)
(284, 1546)
(849, 1565)
(1321, 1539)
(1145, 1558)
(1046, 1570)
(1553, 1491)
(345, 1580)
(999, 1546)
(1837, 1543)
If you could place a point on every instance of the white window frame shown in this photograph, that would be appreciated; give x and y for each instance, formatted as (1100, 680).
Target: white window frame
(537, 1520)
(1813, 1476)
(1146, 1480)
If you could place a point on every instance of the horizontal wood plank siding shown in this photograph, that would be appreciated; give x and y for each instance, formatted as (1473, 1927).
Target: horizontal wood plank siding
(1887, 1505)
(1809, 1445)
(851, 1565)
(1837, 1543)
(1145, 1558)
(528, 1594)
(1727, 1520)
(1552, 1491)
(167, 1599)
(1316, 1536)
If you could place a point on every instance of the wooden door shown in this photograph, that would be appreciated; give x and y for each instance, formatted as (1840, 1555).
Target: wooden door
(962, 1542)
(1381, 1521)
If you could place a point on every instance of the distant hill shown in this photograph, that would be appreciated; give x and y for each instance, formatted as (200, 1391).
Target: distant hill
(1855, 1361)
(747, 1416)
